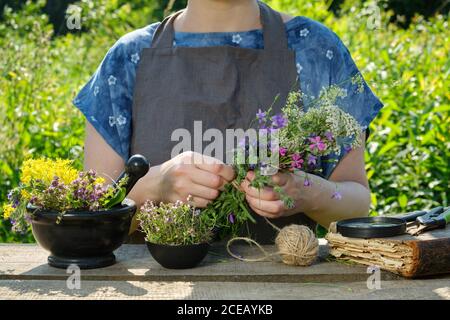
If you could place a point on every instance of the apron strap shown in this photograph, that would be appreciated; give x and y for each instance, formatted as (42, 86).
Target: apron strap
(164, 34)
(274, 31)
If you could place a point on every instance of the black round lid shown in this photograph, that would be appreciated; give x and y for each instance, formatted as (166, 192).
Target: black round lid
(371, 227)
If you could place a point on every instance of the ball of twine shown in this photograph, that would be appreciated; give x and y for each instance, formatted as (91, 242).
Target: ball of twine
(297, 245)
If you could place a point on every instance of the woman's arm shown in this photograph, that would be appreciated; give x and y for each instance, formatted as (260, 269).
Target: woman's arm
(317, 200)
(99, 156)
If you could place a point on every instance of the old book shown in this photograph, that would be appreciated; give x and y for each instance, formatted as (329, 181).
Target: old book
(406, 255)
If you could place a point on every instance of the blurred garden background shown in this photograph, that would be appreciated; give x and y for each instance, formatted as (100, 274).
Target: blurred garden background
(401, 47)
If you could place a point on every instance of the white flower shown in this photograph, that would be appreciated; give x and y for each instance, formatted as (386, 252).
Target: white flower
(329, 54)
(96, 90)
(299, 67)
(121, 120)
(112, 121)
(370, 67)
(236, 38)
(304, 32)
(135, 58)
(112, 80)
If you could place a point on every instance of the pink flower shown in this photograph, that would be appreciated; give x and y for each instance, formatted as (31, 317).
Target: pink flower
(283, 151)
(297, 161)
(316, 143)
(296, 157)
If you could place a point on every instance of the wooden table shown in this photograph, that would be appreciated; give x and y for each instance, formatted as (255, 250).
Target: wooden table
(24, 274)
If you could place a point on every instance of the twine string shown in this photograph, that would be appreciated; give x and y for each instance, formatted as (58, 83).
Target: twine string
(266, 254)
(296, 246)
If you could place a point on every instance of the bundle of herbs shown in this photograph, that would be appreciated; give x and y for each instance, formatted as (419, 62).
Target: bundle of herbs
(293, 140)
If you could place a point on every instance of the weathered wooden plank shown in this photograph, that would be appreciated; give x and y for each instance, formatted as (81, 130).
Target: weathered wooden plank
(28, 262)
(140, 290)
(409, 256)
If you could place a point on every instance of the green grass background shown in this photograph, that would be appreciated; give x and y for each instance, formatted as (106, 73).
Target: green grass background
(408, 68)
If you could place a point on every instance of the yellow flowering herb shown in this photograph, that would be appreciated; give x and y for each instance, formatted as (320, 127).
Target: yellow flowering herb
(46, 169)
(7, 211)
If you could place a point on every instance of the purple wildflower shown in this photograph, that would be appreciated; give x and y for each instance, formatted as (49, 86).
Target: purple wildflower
(336, 195)
(279, 121)
(312, 160)
(307, 182)
(231, 218)
(260, 115)
(28, 218)
(55, 182)
(16, 203)
(347, 148)
(329, 135)
(33, 200)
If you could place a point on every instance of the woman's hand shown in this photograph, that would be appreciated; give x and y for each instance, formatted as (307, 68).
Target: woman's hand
(193, 174)
(344, 195)
(266, 202)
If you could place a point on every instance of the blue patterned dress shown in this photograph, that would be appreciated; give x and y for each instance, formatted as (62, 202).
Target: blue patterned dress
(321, 60)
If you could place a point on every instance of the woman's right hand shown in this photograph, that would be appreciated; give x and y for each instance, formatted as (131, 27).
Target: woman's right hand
(191, 173)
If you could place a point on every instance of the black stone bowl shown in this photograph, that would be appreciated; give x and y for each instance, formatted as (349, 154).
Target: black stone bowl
(86, 239)
(178, 257)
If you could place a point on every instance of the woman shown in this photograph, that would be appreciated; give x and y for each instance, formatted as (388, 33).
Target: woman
(201, 64)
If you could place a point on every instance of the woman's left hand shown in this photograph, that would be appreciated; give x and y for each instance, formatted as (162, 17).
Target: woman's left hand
(266, 202)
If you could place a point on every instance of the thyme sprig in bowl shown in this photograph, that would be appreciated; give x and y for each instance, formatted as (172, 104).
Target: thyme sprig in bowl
(177, 234)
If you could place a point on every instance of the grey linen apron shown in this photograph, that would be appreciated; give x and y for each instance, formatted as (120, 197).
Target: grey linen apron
(223, 86)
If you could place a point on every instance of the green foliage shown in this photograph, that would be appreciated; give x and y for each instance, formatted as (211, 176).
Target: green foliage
(409, 148)
(40, 76)
(408, 153)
